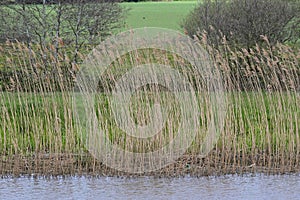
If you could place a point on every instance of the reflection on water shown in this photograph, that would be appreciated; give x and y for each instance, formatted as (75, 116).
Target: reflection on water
(225, 187)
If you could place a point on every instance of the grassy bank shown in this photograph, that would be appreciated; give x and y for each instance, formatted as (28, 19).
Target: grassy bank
(260, 129)
(32, 123)
(40, 132)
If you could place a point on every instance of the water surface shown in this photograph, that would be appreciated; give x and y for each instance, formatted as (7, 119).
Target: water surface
(225, 187)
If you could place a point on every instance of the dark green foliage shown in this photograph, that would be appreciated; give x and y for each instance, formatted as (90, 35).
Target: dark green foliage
(244, 22)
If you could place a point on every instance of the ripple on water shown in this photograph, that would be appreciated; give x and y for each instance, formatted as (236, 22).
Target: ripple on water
(249, 186)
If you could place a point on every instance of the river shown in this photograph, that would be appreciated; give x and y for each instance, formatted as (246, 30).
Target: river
(250, 186)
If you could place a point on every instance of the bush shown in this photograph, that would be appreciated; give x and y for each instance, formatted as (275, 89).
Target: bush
(244, 22)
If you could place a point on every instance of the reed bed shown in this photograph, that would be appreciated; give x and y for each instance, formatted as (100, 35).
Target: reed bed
(39, 133)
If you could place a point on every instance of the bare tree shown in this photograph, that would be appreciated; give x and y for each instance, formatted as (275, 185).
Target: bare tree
(76, 22)
(56, 32)
(90, 22)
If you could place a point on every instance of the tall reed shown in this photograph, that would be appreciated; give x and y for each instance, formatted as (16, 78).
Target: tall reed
(39, 133)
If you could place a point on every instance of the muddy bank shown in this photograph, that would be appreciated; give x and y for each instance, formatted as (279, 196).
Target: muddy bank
(214, 164)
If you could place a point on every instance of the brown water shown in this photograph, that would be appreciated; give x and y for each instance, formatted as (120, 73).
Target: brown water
(225, 187)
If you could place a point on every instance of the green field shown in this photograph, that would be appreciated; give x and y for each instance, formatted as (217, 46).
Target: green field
(157, 14)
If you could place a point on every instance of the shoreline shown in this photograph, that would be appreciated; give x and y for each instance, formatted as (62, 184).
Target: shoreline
(52, 165)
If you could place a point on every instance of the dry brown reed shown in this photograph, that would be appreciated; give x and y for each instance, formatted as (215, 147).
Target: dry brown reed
(39, 135)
